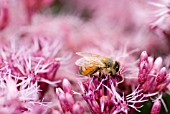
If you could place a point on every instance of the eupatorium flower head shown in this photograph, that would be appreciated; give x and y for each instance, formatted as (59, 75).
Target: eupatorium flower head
(161, 17)
(19, 94)
(153, 80)
(152, 76)
(30, 60)
(66, 99)
(102, 96)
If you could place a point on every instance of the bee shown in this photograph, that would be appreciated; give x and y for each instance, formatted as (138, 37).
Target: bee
(92, 63)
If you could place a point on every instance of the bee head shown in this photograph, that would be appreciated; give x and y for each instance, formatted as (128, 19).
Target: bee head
(116, 66)
(109, 62)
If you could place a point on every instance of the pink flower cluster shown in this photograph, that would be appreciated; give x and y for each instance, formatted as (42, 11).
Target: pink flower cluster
(152, 74)
(162, 14)
(25, 74)
(67, 101)
(38, 44)
(153, 79)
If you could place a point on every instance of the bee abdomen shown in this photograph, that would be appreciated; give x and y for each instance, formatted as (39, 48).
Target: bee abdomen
(87, 70)
(83, 71)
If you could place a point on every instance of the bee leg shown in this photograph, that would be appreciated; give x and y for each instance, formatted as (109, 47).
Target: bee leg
(111, 75)
(99, 77)
(91, 75)
(100, 74)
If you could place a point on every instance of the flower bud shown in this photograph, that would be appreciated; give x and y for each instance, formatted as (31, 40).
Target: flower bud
(78, 108)
(156, 107)
(162, 75)
(157, 64)
(143, 56)
(67, 86)
(150, 62)
(142, 78)
(104, 101)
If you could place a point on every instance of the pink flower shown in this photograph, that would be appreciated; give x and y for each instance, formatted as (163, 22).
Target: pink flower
(18, 94)
(153, 78)
(34, 61)
(4, 14)
(161, 17)
(66, 99)
(151, 74)
(37, 50)
(28, 68)
(32, 6)
(102, 96)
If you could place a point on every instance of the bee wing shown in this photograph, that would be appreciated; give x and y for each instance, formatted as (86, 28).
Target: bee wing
(89, 62)
(85, 54)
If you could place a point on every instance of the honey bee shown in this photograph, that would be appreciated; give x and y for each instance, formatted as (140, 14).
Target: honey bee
(92, 63)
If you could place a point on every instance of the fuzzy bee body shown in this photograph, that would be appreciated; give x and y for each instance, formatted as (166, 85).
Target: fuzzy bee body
(87, 70)
(91, 63)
